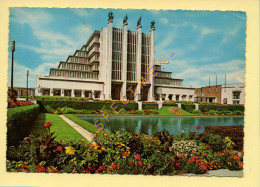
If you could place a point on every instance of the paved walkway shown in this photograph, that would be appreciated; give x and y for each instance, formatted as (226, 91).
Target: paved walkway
(86, 134)
(220, 173)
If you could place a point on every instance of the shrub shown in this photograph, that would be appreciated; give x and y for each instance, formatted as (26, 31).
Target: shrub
(197, 112)
(216, 142)
(184, 146)
(188, 107)
(218, 107)
(81, 105)
(235, 133)
(212, 112)
(150, 106)
(19, 121)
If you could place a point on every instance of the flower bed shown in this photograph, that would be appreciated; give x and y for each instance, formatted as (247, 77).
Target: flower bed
(121, 153)
(14, 104)
(175, 110)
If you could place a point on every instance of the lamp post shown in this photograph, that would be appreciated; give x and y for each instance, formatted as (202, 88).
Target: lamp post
(27, 74)
(12, 71)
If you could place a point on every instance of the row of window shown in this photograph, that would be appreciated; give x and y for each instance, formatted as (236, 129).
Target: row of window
(74, 74)
(168, 81)
(71, 66)
(68, 93)
(81, 54)
(75, 59)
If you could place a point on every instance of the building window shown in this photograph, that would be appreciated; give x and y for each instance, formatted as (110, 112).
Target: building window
(163, 97)
(46, 92)
(225, 101)
(97, 94)
(183, 97)
(236, 95)
(170, 97)
(67, 93)
(190, 97)
(236, 102)
(177, 97)
(56, 92)
(77, 93)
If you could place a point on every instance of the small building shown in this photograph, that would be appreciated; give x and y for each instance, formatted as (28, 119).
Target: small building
(233, 94)
(208, 94)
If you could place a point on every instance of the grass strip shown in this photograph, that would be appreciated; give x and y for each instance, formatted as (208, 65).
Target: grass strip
(62, 130)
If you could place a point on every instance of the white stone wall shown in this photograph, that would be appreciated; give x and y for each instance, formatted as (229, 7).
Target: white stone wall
(176, 91)
(227, 92)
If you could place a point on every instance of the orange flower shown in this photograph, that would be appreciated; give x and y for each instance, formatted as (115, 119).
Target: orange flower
(149, 166)
(99, 151)
(47, 124)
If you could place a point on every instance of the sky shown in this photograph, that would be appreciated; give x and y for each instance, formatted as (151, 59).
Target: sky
(205, 43)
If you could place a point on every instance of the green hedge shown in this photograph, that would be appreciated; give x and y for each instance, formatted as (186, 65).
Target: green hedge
(206, 108)
(19, 121)
(188, 108)
(83, 105)
(146, 106)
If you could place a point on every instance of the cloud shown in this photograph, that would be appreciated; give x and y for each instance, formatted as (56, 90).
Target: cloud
(164, 20)
(20, 73)
(206, 31)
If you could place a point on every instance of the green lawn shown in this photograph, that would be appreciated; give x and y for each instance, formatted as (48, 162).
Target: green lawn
(86, 125)
(164, 111)
(62, 130)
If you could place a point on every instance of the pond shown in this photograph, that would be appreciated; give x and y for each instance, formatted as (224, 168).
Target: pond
(173, 125)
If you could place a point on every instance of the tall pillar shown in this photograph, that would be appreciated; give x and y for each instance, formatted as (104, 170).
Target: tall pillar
(167, 97)
(151, 62)
(124, 58)
(108, 78)
(51, 92)
(62, 92)
(138, 57)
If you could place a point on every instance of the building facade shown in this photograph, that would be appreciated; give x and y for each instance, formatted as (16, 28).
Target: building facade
(21, 91)
(224, 94)
(115, 64)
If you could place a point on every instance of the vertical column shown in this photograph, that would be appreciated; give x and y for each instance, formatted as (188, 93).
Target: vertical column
(138, 59)
(151, 62)
(51, 92)
(108, 58)
(62, 92)
(93, 94)
(72, 93)
(167, 97)
(124, 59)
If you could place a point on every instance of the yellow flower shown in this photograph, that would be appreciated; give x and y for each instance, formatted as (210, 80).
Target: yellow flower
(88, 154)
(102, 148)
(69, 150)
(128, 148)
(95, 147)
(94, 135)
(117, 152)
(97, 132)
(105, 134)
(124, 156)
(82, 140)
(74, 171)
(122, 144)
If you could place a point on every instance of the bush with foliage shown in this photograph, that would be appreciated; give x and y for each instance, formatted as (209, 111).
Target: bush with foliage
(149, 106)
(83, 105)
(19, 121)
(212, 112)
(197, 112)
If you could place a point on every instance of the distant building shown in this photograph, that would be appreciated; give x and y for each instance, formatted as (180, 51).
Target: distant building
(208, 94)
(21, 91)
(111, 65)
(233, 94)
(224, 94)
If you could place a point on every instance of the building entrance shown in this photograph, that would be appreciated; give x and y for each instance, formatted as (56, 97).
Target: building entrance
(116, 90)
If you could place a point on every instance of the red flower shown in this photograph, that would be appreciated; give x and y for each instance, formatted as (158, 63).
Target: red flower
(204, 154)
(113, 165)
(193, 152)
(40, 169)
(47, 124)
(131, 163)
(140, 163)
(90, 144)
(137, 157)
(177, 164)
(118, 168)
(208, 147)
(27, 170)
(125, 153)
(59, 148)
(24, 166)
(198, 127)
(149, 166)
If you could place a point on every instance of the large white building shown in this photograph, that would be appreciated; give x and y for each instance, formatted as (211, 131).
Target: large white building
(233, 94)
(111, 65)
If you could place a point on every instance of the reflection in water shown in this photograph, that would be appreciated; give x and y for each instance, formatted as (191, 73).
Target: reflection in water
(173, 125)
